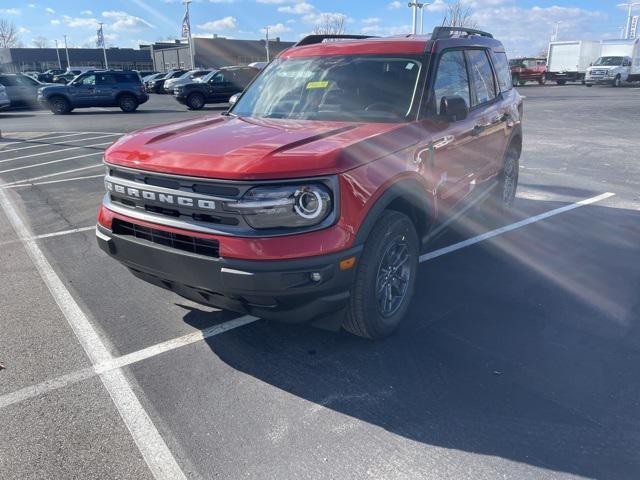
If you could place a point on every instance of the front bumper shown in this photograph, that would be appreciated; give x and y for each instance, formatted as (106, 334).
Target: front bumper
(598, 80)
(273, 289)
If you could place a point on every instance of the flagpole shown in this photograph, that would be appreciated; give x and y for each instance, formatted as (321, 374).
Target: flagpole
(193, 61)
(104, 48)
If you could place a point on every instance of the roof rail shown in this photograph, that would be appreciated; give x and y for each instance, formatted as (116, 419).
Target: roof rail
(313, 39)
(446, 32)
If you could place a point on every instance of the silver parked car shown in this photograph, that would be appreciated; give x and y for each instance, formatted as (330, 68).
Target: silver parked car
(183, 79)
(4, 98)
(21, 89)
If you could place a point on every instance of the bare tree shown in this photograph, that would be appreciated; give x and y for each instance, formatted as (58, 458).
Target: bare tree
(329, 24)
(8, 34)
(459, 15)
(40, 42)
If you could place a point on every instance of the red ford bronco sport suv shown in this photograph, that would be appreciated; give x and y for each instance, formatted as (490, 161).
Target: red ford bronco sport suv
(311, 198)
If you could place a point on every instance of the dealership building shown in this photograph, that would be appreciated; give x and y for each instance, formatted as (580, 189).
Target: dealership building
(14, 60)
(213, 52)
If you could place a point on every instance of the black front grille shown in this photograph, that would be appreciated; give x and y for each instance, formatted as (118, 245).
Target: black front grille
(186, 243)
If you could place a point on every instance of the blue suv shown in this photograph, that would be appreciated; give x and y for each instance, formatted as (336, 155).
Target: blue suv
(104, 88)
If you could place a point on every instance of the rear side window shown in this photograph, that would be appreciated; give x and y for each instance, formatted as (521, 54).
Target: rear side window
(483, 88)
(128, 78)
(105, 79)
(451, 78)
(502, 71)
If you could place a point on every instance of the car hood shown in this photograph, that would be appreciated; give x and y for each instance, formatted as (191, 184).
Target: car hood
(53, 87)
(249, 148)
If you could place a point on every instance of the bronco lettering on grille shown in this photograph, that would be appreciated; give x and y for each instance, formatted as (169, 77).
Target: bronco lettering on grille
(168, 199)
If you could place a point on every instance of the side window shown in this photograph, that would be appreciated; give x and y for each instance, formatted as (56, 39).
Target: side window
(451, 77)
(88, 80)
(217, 78)
(7, 81)
(105, 79)
(503, 71)
(483, 88)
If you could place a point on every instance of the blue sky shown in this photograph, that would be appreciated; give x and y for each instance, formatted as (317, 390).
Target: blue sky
(523, 25)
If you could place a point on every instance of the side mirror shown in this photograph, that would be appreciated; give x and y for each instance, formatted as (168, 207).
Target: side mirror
(233, 99)
(453, 108)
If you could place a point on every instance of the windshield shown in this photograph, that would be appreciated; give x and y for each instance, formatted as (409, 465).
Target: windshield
(340, 88)
(608, 61)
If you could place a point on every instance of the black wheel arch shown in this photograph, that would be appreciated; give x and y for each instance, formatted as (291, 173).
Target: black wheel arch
(125, 93)
(407, 196)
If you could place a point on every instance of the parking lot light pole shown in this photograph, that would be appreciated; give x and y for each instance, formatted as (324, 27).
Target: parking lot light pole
(415, 5)
(189, 38)
(267, 44)
(66, 49)
(629, 5)
(58, 55)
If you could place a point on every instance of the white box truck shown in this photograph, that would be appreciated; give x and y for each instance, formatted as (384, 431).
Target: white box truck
(619, 62)
(569, 60)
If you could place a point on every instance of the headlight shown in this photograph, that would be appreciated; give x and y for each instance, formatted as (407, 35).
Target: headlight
(284, 206)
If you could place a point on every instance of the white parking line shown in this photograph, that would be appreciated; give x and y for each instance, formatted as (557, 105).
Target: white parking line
(49, 235)
(56, 181)
(54, 143)
(49, 162)
(54, 151)
(512, 226)
(49, 175)
(151, 445)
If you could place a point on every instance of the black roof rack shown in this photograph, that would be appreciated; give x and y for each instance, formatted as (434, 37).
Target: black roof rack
(446, 32)
(313, 39)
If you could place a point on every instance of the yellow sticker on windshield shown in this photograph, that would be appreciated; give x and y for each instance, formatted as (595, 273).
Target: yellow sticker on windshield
(322, 84)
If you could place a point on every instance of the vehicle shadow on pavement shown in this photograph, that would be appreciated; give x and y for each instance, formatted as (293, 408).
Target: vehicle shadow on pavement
(526, 348)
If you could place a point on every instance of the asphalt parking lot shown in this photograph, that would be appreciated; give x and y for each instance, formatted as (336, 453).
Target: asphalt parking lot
(519, 357)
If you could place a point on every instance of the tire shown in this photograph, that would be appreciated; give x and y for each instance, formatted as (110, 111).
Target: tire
(393, 241)
(588, 84)
(127, 103)
(59, 105)
(561, 82)
(543, 79)
(617, 82)
(504, 194)
(515, 80)
(195, 101)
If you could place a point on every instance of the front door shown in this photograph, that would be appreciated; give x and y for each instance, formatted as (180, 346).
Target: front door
(83, 90)
(447, 156)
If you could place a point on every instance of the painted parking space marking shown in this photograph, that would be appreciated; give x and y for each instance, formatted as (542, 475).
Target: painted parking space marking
(154, 450)
(25, 167)
(49, 175)
(512, 226)
(43, 145)
(55, 151)
(49, 182)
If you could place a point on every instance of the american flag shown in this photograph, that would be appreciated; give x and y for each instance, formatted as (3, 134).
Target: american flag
(186, 26)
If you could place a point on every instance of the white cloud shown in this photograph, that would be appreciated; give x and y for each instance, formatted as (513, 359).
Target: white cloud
(526, 31)
(437, 6)
(276, 29)
(86, 12)
(49, 10)
(9, 11)
(24, 30)
(226, 23)
(77, 22)
(276, 2)
(325, 17)
(370, 20)
(298, 8)
(55, 22)
(222, 1)
(125, 21)
(394, 5)
(31, 5)
(385, 31)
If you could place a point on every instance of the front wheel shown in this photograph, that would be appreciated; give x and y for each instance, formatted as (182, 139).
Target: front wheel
(195, 101)
(386, 277)
(59, 105)
(543, 80)
(617, 81)
(515, 80)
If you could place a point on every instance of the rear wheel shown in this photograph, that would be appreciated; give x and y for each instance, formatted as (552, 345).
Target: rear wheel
(505, 192)
(127, 103)
(386, 277)
(543, 79)
(195, 101)
(59, 105)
